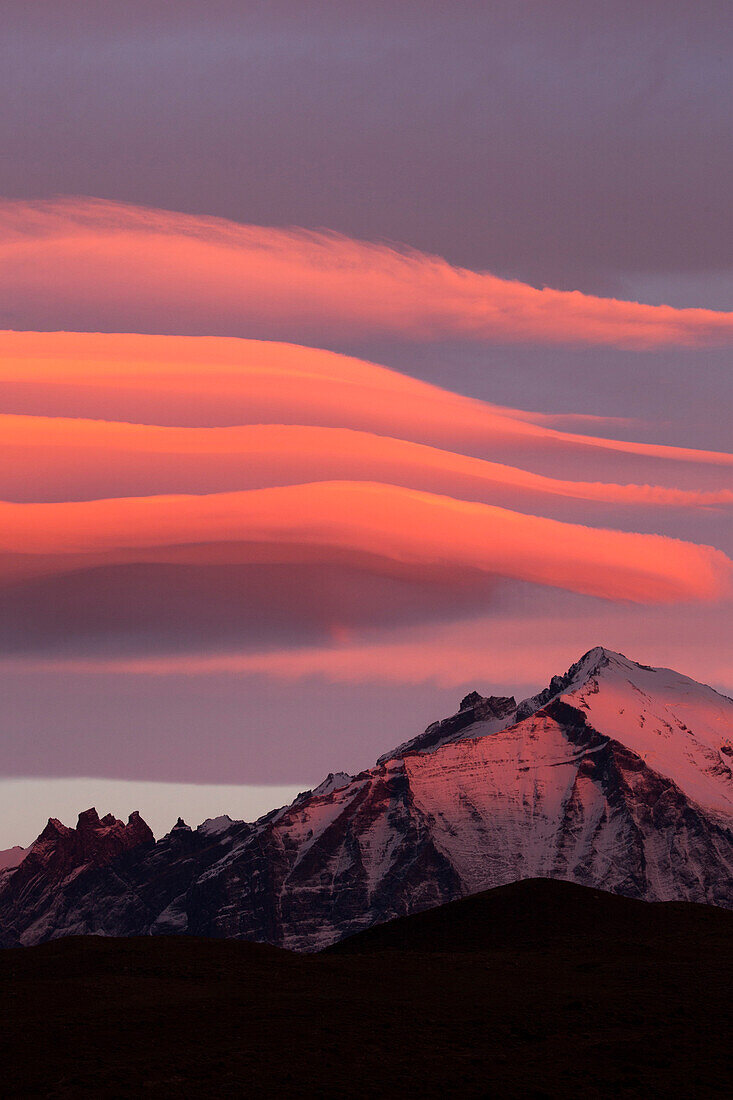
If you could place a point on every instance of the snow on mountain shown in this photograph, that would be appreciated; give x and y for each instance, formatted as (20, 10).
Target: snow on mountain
(616, 775)
(334, 781)
(478, 716)
(214, 825)
(682, 729)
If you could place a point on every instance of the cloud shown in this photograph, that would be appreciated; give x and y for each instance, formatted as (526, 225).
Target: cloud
(375, 527)
(89, 264)
(514, 646)
(63, 458)
(203, 600)
(215, 381)
(179, 495)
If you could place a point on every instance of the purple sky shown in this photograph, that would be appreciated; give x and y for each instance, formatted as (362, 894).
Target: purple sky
(576, 144)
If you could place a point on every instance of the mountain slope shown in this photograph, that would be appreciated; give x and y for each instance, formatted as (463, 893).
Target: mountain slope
(682, 729)
(616, 776)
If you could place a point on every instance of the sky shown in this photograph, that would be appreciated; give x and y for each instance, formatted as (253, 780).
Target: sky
(351, 358)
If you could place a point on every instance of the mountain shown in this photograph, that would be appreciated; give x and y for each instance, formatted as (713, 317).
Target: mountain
(11, 857)
(615, 776)
(537, 989)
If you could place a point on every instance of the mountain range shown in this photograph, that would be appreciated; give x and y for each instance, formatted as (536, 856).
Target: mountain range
(616, 776)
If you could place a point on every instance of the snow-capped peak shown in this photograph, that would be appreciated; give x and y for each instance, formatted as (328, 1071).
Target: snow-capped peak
(215, 825)
(588, 665)
(679, 727)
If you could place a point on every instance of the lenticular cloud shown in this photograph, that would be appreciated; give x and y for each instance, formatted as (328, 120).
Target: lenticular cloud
(66, 458)
(89, 265)
(179, 495)
(371, 525)
(215, 381)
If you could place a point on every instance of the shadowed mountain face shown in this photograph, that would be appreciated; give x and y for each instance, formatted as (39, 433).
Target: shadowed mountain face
(616, 776)
(540, 988)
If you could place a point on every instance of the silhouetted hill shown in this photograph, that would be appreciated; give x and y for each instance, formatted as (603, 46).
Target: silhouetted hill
(539, 989)
(537, 913)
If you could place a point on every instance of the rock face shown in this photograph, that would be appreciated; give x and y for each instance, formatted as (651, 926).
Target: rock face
(616, 776)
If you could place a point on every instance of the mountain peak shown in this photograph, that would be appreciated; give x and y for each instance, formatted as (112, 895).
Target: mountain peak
(53, 829)
(586, 666)
(600, 656)
(89, 820)
(11, 857)
(596, 658)
(677, 726)
(480, 715)
(616, 775)
(334, 781)
(652, 711)
(471, 700)
(598, 651)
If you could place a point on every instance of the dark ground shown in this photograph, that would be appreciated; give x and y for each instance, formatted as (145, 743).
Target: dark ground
(533, 990)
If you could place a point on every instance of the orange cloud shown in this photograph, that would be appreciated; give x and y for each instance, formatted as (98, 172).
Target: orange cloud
(221, 381)
(96, 264)
(372, 526)
(57, 458)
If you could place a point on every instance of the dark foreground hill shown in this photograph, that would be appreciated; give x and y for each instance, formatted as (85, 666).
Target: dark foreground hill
(537, 989)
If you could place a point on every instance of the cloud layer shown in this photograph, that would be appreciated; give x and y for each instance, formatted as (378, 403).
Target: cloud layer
(211, 381)
(62, 458)
(376, 528)
(89, 264)
(167, 494)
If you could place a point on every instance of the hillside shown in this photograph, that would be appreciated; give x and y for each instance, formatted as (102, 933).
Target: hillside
(539, 989)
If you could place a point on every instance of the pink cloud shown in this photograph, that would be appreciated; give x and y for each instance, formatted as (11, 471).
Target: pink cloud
(57, 458)
(173, 380)
(375, 527)
(499, 650)
(93, 264)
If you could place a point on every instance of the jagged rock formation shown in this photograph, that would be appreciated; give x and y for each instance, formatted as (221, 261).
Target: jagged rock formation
(616, 776)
